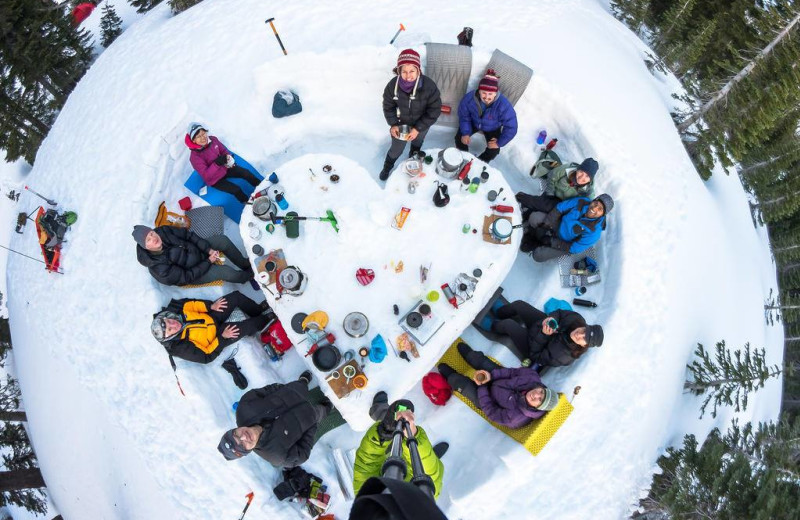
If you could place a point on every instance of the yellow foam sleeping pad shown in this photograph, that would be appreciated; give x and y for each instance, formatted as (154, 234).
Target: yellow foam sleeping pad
(533, 436)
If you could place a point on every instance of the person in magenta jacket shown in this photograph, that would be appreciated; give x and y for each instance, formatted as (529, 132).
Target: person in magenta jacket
(215, 163)
(511, 397)
(489, 112)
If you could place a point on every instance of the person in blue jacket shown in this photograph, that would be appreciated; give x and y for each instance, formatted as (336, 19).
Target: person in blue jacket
(489, 112)
(573, 226)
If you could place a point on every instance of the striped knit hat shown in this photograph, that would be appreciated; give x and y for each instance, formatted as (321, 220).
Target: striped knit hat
(489, 82)
(408, 57)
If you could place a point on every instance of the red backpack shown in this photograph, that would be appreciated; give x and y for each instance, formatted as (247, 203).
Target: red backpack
(435, 386)
(276, 336)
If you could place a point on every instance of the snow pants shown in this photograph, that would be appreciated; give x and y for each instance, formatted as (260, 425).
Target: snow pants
(531, 317)
(251, 326)
(237, 172)
(489, 153)
(398, 145)
(224, 271)
(464, 385)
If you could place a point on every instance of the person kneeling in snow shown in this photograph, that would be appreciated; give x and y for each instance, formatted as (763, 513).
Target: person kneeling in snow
(376, 442)
(511, 397)
(177, 256)
(563, 182)
(572, 226)
(535, 340)
(215, 164)
(489, 112)
(195, 330)
(278, 422)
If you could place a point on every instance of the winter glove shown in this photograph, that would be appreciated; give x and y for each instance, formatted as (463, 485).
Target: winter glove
(221, 160)
(553, 219)
(233, 369)
(386, 427)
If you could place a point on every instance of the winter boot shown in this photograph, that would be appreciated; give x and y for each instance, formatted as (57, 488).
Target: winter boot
(498, 303)
(327, 404)
(305, 377)
(528, 243)
(445, 369)
(414, 152)
(440, 449)
(388, 164)
(233, 369)
(485, 324)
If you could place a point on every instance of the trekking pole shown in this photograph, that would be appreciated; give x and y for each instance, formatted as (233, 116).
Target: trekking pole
(32, 258)
(175, 371)
(394, 466)
(420, 479)
(401, 29)
(49, 201)
(247, 505)
(269, 21)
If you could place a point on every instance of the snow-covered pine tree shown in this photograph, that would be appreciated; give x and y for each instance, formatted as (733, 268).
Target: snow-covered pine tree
(633, 13)
(142, 6)
(21, 482)
(110, 24)
(743, 474)
(179, 6)
(728, 379)
(788, 305)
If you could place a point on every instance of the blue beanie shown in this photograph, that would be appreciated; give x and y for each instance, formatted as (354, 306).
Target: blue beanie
(590, 166)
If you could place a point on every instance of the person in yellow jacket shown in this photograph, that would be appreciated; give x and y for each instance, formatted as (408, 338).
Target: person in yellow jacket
(376, 442)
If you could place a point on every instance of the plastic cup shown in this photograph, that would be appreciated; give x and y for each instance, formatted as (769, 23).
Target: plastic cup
(473, 187)
(465, 228)
(433, 296)
(273, 178)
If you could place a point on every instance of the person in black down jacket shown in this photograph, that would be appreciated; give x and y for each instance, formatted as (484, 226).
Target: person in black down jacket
(409, 99)
(176, 256)
(276, 422)
(538, 342)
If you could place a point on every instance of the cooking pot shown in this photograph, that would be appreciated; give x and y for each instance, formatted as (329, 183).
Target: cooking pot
(449, 163)
(326, 358)
(501, 229)
(262, 207)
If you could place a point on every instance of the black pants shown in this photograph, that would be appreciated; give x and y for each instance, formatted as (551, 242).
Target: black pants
(398, 145)
(255, 322)
(237, 172)
(489, 153)
(225, 272)
(531, 318)
(466, 386)
(302, 388)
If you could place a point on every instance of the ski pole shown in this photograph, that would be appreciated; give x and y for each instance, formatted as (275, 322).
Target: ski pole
(247, 505)
(32, 258)
(401, 29)
(49, 201)
(269, 21)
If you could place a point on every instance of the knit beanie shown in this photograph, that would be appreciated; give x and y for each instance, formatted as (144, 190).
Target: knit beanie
(489, 82)
(194, 128)
(408, 57)
(594, 335)
(607, 201)
(550, 400)
(386, 427)
(140, 234)
(229, 448)
(590, 166)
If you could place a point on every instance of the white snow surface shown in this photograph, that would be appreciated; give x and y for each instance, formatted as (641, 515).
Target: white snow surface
(682, 261)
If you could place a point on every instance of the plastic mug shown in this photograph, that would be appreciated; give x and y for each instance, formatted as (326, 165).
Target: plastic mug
(433, 296)
(273, 178)
(270, 266)
(465, 228)
(473, 187)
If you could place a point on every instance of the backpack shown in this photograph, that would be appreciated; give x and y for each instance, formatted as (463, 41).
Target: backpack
(548, 160)
(55, 227)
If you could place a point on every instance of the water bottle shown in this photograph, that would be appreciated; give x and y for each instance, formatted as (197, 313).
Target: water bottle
(281, 201)
(580, 291)
(542, 137)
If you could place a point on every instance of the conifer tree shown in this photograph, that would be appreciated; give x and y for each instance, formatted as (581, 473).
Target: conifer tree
(743, 474)
(178, 6)
(788, 306)
(142, 6)
(21, 482)
(110, 24)
(727, 380)
(633, 13)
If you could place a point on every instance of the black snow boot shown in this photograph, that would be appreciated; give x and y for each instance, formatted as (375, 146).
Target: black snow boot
(445, 369)
(414, 152)
(233, 369)
(305, 377)
(388, 164)
(440, 449)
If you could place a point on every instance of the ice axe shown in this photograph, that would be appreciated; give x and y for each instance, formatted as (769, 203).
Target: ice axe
(269, 21)
(401, 29)
(49, 201)
(329, 217)
(249, 497)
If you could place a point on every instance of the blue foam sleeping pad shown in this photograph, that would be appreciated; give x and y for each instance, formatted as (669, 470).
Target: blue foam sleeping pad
(229, 204)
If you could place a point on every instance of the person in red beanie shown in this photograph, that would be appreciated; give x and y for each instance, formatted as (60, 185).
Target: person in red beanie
(489, 112)
(409, 99)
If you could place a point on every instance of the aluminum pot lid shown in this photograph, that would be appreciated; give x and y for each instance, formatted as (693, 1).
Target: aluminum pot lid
(452, 159)
(262, 206)
(290, 278)
(355, 324)
(501, 228)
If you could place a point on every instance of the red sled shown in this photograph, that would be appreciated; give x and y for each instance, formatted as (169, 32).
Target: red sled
(51, 253)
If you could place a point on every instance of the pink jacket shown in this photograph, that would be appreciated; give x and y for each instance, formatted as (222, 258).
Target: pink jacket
(202, 159)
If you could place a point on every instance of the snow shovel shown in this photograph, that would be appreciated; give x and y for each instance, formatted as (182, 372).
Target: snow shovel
(329, 217)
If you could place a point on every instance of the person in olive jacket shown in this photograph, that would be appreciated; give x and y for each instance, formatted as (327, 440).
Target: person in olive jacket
(277, 422)
(177, 256)
(540, 340)
(410, 99)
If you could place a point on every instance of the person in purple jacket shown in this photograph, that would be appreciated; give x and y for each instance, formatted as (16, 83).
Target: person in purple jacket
(489, 112)
(511, 397)
(215, 164)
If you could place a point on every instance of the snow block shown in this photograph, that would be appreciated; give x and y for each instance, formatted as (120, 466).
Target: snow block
(533, 436)
(230, 205)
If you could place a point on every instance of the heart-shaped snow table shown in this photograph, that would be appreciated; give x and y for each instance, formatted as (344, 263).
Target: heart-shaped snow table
(431, 237)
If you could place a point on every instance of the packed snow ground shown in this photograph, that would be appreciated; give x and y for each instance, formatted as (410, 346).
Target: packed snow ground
(682, 261)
